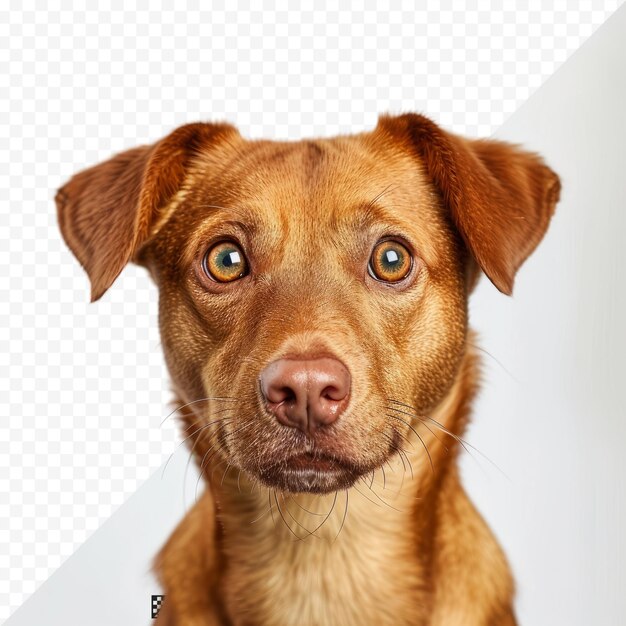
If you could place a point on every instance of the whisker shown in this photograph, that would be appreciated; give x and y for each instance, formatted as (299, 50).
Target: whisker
(226, 437)
(255, 483)
(373, 201)
(432, 432)
(200, 475)
(327, 516)
(305, 509)
(481, 349)
(399, 451)
(422, 418)
(219, 445)
(189, 437)
(379, 498)
(226, 472)
(462, 442)
(184, 406)
(216, 466)
(430, 459)
(268, 510)
(224, 420)
(406, 456)
(467, 445)
(403, 435)
(345, 514)
(292, 517)
(201, 419)
(401, 459)
(362, 494)
(291, 530)
(269, 497)
(402, 455)
(195, 491)
(383, 500)
(282, 495)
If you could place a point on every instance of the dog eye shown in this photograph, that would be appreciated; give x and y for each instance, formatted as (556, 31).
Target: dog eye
(225, 262)
(390, 261)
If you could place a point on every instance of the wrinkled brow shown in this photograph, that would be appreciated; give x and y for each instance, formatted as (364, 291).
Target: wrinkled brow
(367, 216)
(223, 220)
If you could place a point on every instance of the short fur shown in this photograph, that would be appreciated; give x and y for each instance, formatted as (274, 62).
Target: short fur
(401, 543)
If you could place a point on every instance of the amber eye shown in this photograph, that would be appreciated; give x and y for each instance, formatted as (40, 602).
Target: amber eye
(390, 261)
(225, 262)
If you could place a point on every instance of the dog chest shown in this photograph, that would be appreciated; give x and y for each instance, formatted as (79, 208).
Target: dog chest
(368, 574)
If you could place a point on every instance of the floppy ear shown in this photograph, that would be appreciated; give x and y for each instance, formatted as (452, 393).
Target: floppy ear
(106, 212)
(500, 198)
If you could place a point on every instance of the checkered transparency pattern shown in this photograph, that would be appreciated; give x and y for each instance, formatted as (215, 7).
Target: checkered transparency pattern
(156, 603)
(83, 387)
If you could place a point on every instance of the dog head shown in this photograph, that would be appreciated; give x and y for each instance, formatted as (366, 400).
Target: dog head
(313, 294)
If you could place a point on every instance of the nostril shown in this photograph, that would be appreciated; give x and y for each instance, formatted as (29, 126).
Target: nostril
(331, 392)
(285, 394)
(277, 394)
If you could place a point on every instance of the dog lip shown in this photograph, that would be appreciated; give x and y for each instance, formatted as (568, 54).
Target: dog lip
(313, 472)
(314, 461)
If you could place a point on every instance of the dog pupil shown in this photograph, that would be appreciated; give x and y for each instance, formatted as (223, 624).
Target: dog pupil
(232, 258)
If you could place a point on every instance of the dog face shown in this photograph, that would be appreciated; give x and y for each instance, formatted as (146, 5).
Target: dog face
(311, 293)
(345, 290)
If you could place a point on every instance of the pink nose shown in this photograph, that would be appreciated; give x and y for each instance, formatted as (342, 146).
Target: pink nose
(306, 393)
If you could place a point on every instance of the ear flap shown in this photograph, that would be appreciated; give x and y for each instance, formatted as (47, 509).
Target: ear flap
(105, 212)
(500, 197)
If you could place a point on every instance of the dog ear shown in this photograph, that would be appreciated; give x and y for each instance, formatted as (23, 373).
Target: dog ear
(106, 212)
(500, 197)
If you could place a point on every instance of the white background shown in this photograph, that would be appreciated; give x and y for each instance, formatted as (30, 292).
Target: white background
(84, 387)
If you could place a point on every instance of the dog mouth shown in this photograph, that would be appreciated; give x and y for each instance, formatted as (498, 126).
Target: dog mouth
(311, 472)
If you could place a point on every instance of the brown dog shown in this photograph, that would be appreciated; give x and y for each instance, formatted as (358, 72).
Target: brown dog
(313, 310)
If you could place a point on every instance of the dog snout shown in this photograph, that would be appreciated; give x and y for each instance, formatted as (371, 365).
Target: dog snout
(306, 393)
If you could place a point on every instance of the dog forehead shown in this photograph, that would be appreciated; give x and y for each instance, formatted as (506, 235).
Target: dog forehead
(323, 181)
(338, 190)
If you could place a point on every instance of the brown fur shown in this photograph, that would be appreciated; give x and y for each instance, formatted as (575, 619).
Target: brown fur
(402, 544)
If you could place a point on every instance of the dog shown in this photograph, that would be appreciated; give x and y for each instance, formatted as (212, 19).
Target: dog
(313, 311)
